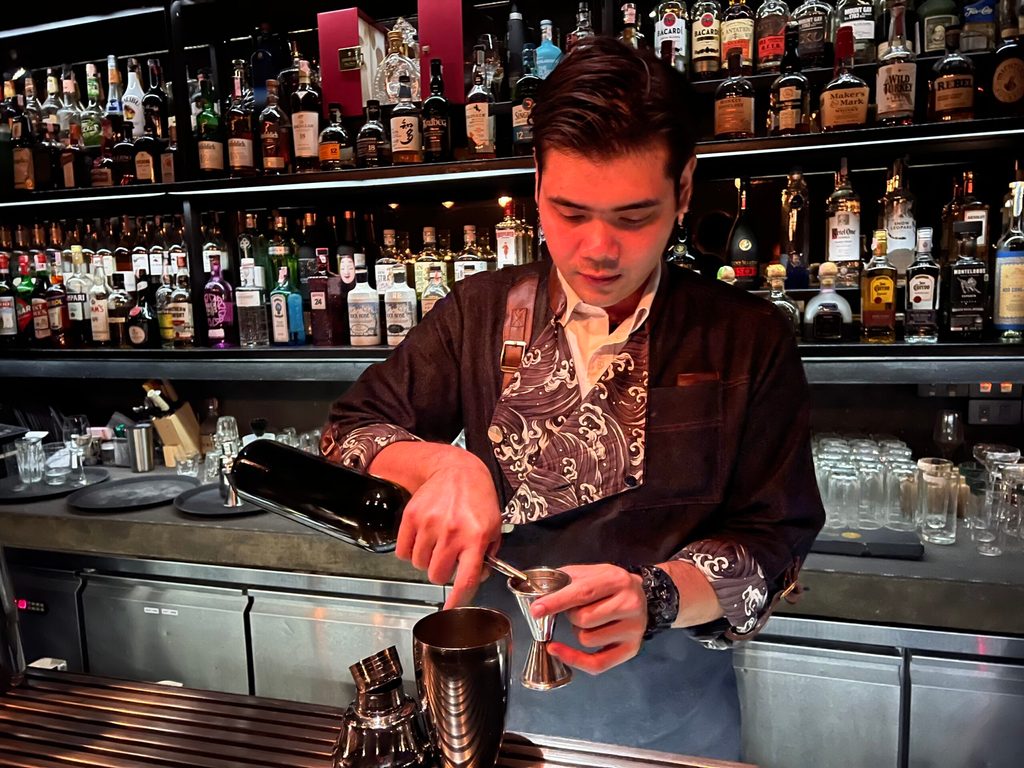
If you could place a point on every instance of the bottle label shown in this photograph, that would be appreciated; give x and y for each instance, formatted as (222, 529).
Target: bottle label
(318, 301)
(738, 35)
(878, 309)
(330, 151)
(24, 171)
(522, 131)
(209, 254)
(934, 33)
(428, 303)
(211, 155)
(967, 298)
(400, 313)
(165, 320)
(844, 108)
(78, 306)
(921, 292)
(273, 162)
(8, 316)
(474, 267)
(435, 134)
(982, 216)
(706, 36)
(144, 167)
(384, 274)
(894, 89)
(1008, 304)
(279, 319)
(247, 299)
(137, 334)
(734, 114)
(40, 318)
(156, 261)
(844, 236)
(101, 177)
(218, 311)
(813, 28)
(1008, 81)
(370, 150)
(240, 153)
(56, 310)
(92, 132)
(954, 92)
(901, 231)
(505, 239)
(979, 12)
(98, 320)
(405, 134)
(480, 127)
(789, 111)
(364, 320)
(771, 39)
(670, 28)
(181, 320)
(67, 167)
(305, 133)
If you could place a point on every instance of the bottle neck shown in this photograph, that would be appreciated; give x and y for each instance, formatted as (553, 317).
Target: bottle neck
(1017, 208)
(966, 247)
(546, 34)
(828, 285)
(897, 33)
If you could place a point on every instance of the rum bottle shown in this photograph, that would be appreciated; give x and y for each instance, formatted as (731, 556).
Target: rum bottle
(878, 295)
(789, 109)
(734, 104)
(738, 35)
(706, 39)
(670, 25)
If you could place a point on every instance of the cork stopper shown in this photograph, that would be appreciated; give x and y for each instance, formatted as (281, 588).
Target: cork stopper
(775, 272)
(827, 269)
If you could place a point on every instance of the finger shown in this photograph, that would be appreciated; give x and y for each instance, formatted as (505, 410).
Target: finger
(467, 577)
(423, 549)
(442, 564)
(576, 594)
(609, 634)
(406, 537)
(597, 662)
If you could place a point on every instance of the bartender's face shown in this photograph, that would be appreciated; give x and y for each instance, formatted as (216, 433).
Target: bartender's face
(607, 221)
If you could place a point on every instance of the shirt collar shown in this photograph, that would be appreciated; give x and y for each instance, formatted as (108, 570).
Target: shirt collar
(576, 308)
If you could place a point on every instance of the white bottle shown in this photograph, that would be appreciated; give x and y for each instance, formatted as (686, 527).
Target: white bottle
(399, 309)
(131, 101)
(363, 313)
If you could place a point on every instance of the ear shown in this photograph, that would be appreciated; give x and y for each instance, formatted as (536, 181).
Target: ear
(685, 188)
(536, 179)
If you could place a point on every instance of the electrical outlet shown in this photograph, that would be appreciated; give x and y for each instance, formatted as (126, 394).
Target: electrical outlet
(1002, 412)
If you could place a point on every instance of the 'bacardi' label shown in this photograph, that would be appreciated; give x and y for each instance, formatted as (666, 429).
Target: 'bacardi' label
(894, 90)
(706, 35)
(670, 28)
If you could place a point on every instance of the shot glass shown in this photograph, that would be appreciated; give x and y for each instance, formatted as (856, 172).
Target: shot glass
(187, 465)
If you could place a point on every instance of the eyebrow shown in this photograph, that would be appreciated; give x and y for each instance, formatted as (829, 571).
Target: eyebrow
(648, 203)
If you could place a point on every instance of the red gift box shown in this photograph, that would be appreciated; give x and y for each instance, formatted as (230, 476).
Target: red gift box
(352, 46)
(440, 37)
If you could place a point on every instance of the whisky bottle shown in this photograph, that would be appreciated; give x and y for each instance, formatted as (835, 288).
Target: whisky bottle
(770, 28)
(895, 85)
(789, 109)
(795, 233)
(305, 112)
(878, 295)
(743, 251)
(680, 253)
(437, 130)
(973, 209)
(670, 26)
(734, 104)
(1008, 291)
(844, 100)
(275, 134)
(705, 39)
(738, 35)
(1007, 86)
(935, 18)
(406, 127)
(842, 225)
(776, 275)
(584, 28)
(241, 157)
(182, 317)
(335, 147)
(923, 292)
(209, 134)
(479, 116)
(827, 314)
(859, 16)
(966, 303)
(815, 20)
(898, 219)
(524, 96)
(951, 85)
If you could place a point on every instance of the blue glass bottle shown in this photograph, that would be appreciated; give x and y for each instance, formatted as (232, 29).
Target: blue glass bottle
(549, 54)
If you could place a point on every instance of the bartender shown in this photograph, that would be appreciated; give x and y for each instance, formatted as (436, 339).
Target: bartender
(642, 429)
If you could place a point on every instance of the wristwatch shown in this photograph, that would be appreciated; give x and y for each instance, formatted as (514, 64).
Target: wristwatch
(662, 597)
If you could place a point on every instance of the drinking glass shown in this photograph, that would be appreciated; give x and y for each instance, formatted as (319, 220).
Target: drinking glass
(77, 438)
(901, 498)
(843, 505)
(948, 434)
(187, 464)
(29, 452)
(992, 456)
(1008, 510)
(56, 463)
(871, 507)
(937, 482)
(211, 466)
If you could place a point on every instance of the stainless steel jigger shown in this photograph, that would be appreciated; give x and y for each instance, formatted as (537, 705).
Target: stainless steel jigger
(542, 672)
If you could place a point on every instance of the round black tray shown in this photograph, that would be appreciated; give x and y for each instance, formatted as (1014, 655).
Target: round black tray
(41, 491)
(132, 493)
(205, 501)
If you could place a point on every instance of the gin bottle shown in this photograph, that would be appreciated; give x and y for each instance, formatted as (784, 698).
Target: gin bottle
(923, 291)
(253, 330)
(288, 326)
(219, 300)
(1008, 294)
(470, 260)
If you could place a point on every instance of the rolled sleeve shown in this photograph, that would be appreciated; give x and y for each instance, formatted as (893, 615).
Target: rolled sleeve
(360, 447)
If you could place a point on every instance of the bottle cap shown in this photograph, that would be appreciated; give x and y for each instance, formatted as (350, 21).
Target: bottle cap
(775, 271)
(844, 42)
(727, 274)
(827, 269)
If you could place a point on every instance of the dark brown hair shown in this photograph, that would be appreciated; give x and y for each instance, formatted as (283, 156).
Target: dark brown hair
(606, 100)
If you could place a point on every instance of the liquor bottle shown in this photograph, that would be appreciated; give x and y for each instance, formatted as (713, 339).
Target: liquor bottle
(738, 35)
(416, 268)
(214, 245)
(40, 316)
(469, 261)
(670, 25)
(705, 39)
(434, 291)
(789, 109)
(219, 300)
(827, 314)
(548, 54)
(584, 28)
(131, 101)
(770, 28)
(510, 239)
(8, 305)
(51, 109)
(335, 146)
(386, 265)
(524, 95)
(1008, 290)
(141, 324)
(281, 249)
(147, 150)
(973, 209)
(734, 104)
(842, 225)
(979, 26)
(1007, 207)
(113, 113)
(70, 108)
(399, 309)
(923, 292)
(287, 325)
(895, 86)
(253, 330)
(794, 246)
(288, 78)
(966, 303)
(119, 302)
(776, 277)
(951, 85)
(815, 20)
(878, 295)
(935, 18)
(437, 131)
(859, 16)
(327, 304)
(241, 159)
(78, 287)
(57, 310)
(395, 64)
(363, 313)
(372, 147)
(253, 245)
(162, 304)
(154, 103)
(743, 252)
(25, 286)
(123, 157)
(631, 34)
(305, 112)
(275, 134)
(406, 127)
(480, 126)
(680, 253)
(1007, 87)
(74, 168)
(99, 294)
(209, 134)
(182, 317)
(898, 220)
(92, 117)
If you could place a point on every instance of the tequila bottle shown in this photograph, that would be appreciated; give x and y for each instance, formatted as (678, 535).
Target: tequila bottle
(878, 295)
(923, 292)
(1008, 293)
(898, 219)
(827, 314)
(776, 274)
(253, 330)
(842, 225)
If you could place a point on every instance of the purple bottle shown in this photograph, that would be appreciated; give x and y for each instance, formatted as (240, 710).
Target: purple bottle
(219, 298)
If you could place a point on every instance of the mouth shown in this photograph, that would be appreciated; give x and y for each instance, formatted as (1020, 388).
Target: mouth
(600, 280)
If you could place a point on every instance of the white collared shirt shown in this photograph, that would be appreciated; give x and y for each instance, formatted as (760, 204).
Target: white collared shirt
(592, 342)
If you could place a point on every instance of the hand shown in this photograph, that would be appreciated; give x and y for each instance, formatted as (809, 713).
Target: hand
(608, 611)
(452, 519)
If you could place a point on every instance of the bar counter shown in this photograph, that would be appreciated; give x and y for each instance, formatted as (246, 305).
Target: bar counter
(952, 588)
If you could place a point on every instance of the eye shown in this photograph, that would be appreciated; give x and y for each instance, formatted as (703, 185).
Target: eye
(634, 222)
(572, 217)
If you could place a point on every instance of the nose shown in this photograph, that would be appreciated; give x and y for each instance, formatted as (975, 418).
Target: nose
(599, 240)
